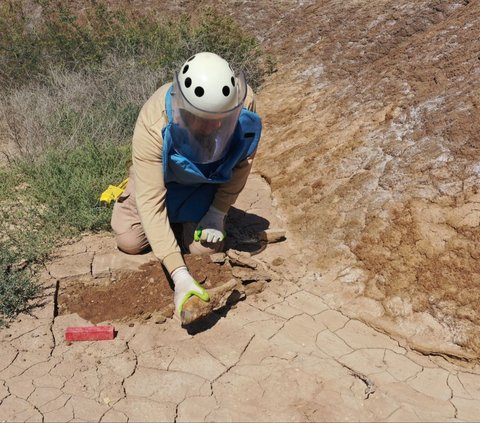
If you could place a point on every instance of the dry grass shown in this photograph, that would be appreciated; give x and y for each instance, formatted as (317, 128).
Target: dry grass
(67, 108)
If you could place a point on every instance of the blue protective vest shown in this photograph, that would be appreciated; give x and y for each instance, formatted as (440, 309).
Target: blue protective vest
(191, 187)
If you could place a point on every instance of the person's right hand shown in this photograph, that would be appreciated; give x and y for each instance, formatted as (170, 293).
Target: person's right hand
(212, 226)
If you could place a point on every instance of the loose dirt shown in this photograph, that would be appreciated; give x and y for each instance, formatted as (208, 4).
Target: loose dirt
(136, 295)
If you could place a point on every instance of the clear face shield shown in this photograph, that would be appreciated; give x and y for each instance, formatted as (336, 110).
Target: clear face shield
(199, 135)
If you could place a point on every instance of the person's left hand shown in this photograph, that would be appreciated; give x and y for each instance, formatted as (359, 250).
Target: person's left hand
(212, 226)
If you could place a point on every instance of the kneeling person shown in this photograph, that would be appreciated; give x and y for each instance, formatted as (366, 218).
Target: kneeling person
(193, 147)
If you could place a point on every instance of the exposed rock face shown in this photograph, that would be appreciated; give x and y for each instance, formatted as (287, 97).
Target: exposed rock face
(372, 148)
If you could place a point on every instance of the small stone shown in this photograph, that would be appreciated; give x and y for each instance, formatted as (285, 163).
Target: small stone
(159, 319)
(254, 287)
(248, 275)
(272, 235)
(218, 258)
(278, 261)
(237, 259)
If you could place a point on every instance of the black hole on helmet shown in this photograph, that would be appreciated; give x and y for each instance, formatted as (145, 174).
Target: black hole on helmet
(191, 58)
(233, 81)
(185, 69)
(199, 91)
(188, 82)
(226, 91)
(249, 135)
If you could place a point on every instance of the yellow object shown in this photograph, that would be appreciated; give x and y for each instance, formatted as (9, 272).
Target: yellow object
(113, 192)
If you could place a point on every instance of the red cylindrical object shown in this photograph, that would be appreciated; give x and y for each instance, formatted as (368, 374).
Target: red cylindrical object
(89, 333)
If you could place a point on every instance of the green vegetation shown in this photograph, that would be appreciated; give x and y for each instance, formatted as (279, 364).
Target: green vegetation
(65, 39)
(16, 288)
(72, 85)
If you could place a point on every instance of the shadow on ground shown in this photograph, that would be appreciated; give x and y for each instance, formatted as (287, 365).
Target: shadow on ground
(242, 229)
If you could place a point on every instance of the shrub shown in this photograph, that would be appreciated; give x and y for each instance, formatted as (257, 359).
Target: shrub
(16, 287)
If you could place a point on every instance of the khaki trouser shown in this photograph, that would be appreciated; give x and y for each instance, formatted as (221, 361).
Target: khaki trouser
(131, 237)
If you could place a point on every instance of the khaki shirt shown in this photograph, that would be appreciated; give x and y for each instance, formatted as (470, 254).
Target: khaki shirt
(150, 188)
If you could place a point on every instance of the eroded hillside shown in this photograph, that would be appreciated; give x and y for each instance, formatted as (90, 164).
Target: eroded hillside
(371, 146)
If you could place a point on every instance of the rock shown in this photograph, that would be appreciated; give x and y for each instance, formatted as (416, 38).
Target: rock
(236, 253)
(226, 294)
(237, 258)
(249, 275)
(272, 235)
(158, 318)
(254, 287)
(218, 258)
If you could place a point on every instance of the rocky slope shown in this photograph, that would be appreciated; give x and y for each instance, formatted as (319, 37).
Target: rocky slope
(371, 147)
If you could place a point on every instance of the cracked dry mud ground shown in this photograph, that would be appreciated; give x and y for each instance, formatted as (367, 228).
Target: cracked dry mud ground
(370, 147)
(283, 354)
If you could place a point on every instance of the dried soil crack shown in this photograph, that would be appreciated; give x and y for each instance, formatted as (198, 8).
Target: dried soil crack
(455, 412)
(371, 326)
(285, 322)
(370, 387)
(55, 313)
(38, 410)
(12, 361)
(24, 333)
(238, 360)
(279, 358)
(134, 367)
(386, 419)
(415, 375)
(9, 394)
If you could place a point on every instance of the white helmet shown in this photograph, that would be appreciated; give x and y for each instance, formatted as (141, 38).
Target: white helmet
(207, 100)
(207, 81)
